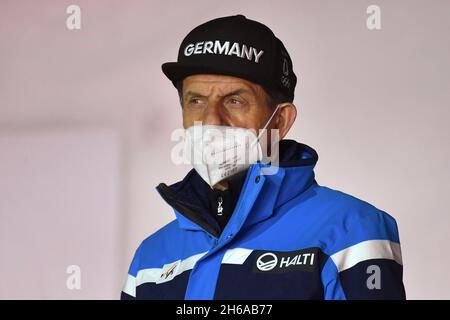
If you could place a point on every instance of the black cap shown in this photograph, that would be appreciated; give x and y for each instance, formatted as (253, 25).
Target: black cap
(235, 46)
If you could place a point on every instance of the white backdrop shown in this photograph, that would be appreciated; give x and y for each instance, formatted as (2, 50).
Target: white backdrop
(59, 213)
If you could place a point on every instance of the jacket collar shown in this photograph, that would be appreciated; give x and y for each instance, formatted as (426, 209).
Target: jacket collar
(260, 196)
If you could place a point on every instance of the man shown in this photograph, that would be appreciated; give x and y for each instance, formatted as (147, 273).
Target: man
(243, 231)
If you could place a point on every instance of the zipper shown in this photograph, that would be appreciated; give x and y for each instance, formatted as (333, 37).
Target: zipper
(219, 206)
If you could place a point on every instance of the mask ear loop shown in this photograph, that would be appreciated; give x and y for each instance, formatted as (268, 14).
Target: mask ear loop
(263, 130)
(266, 125)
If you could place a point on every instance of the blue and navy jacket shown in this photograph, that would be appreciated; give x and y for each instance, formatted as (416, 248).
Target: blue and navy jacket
(288, 238)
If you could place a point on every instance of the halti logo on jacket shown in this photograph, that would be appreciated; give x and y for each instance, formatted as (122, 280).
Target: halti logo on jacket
(267, 261)
(278, 262)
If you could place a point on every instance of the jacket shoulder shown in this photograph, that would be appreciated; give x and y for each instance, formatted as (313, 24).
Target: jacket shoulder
(354, 220)
(148, 254)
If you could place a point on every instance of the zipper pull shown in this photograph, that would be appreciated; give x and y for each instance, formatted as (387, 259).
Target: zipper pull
(219, 206)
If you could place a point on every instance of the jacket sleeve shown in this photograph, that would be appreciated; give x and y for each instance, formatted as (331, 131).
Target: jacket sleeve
(365, 262)
(129, 289)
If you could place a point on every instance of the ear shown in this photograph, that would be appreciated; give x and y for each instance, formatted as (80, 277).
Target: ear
(286, 118)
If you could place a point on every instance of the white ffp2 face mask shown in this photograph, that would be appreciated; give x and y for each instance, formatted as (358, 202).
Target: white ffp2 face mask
(218, 152)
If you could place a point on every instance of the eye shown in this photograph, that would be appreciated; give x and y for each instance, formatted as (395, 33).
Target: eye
(234, 101)
(195, 101)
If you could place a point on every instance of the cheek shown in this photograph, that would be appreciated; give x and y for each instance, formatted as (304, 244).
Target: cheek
(250, 120)
(189, 118)
(260, 117)
(187, 122)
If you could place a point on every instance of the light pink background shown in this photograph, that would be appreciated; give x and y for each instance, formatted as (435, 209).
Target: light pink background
(86, 118)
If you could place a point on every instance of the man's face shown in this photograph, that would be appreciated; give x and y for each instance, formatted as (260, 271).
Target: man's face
(224, 100)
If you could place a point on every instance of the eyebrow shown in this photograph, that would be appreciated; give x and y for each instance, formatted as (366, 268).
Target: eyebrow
(232, 93)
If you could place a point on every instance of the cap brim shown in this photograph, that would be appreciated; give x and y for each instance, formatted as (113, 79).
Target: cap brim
(177, 71)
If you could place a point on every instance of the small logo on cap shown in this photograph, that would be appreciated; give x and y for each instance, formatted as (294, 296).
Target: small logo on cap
(285, 67)
(285, 81)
